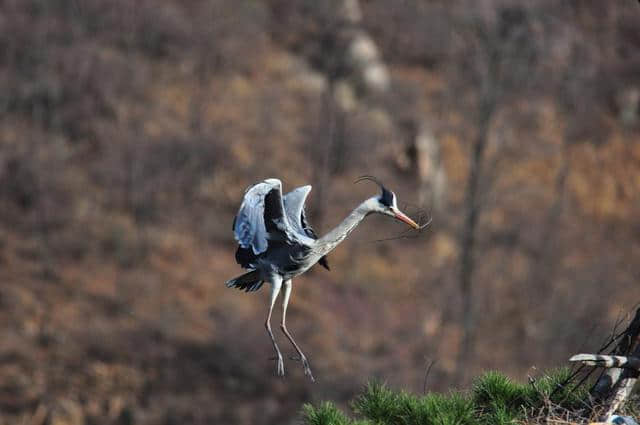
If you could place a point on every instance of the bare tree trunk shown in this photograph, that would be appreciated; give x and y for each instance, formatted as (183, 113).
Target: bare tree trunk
(488, 101)
(321, 150)
(467, 243)
(472, 208)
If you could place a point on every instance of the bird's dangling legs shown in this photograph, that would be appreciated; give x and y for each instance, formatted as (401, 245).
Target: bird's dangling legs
(283, 326)
(276, 284)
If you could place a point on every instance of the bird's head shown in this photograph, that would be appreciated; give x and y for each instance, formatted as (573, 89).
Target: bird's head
(386, 203)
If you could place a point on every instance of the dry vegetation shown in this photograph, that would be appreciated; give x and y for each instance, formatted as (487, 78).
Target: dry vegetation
(129, 131)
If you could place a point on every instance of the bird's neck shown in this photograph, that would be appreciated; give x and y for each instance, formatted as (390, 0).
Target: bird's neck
(342, 230)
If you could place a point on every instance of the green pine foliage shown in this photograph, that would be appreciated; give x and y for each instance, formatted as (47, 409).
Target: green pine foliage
(494, 399)
(439, 409)
(501, 400)
(379, 404)
(325, 414)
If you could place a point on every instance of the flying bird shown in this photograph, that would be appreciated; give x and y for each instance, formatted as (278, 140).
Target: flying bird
(277, 244)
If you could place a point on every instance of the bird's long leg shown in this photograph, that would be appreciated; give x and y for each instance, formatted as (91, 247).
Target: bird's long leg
(276, 284)
(283, 326)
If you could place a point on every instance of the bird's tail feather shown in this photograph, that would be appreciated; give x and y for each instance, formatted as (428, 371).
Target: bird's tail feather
(248, 282)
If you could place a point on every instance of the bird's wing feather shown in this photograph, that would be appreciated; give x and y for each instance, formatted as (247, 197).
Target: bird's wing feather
(294, 207)
(261, 217)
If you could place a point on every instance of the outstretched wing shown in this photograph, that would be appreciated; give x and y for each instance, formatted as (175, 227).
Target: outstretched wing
(294, 209)
(261, 217)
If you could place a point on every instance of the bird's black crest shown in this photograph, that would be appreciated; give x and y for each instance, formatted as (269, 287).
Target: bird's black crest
(386, 198)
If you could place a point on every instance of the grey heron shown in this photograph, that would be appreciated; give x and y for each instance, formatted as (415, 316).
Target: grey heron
(277, 244)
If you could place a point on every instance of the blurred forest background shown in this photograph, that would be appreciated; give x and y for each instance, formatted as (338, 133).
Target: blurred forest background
(130, 129)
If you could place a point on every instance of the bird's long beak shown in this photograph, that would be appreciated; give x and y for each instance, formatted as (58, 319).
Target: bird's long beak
(403, 217)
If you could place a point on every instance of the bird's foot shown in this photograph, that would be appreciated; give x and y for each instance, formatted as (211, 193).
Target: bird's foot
(305, 365)
(279, 364)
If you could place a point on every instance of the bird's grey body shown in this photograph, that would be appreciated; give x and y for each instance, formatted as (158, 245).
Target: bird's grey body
(273, 232)
(277, 244)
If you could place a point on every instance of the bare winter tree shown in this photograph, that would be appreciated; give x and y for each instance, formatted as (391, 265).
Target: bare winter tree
(499, 53)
